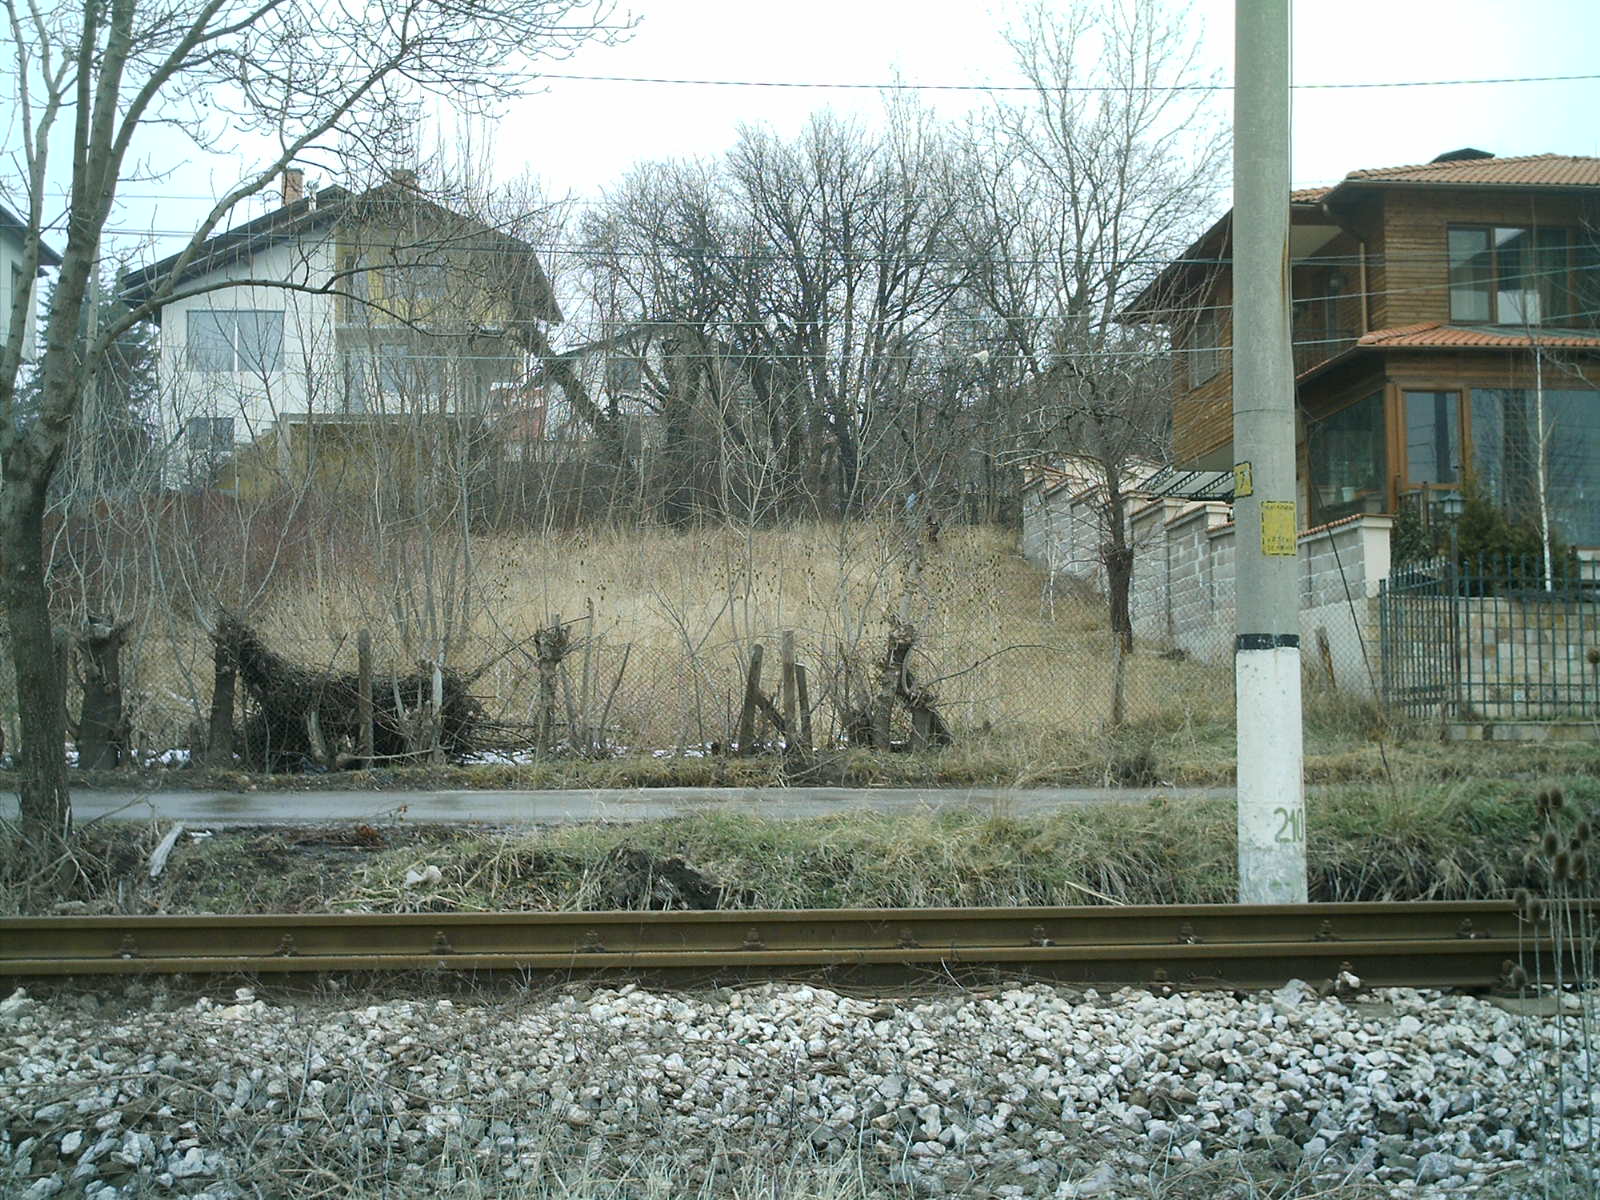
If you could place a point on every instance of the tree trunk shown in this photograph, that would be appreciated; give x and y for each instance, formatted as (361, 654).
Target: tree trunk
(1119, 585)
(680, 472)
(844, 440)
(1117, 557)
(364, 746)
(219, 733)
(102, 737)
(44, 803)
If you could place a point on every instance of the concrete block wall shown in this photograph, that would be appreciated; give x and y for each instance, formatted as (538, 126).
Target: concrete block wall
(1184, 573)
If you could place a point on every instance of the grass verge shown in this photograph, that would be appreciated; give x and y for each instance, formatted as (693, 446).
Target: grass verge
(1462, 840)
(1346, 742)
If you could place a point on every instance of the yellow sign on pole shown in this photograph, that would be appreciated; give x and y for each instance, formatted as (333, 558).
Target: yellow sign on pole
(1242, 483)
(1277, 527)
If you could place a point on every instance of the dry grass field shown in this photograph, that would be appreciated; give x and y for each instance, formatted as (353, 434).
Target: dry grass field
(665, 621)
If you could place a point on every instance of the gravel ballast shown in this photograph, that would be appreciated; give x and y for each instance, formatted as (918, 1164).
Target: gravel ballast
(1013, 1091)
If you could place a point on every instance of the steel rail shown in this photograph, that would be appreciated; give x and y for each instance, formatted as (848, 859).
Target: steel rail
(1449, 943)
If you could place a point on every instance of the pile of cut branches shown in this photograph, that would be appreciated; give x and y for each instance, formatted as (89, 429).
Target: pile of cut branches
(305, 717)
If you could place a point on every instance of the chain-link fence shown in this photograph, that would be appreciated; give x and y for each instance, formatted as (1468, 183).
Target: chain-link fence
(658, 658)
(1182, 592)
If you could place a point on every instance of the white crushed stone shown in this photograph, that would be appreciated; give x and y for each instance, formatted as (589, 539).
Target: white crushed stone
(1027, 1091)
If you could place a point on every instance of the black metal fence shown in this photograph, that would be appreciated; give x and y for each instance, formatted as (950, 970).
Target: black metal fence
(1492, 638)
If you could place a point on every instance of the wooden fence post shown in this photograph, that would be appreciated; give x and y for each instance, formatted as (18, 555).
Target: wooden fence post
(894, 660)
(550, 647)
(752, 694)
(219, 728)
(803, 699)
(786, 686)
(436, 753)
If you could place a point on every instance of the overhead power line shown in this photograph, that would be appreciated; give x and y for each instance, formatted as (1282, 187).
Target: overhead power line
(597, 255)
(822, 85)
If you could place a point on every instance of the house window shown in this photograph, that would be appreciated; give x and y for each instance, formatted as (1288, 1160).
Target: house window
(408, 371)
(624, 376)
(1513, 275)
(427, 281)
(1510, 445)
(1433, 438)
(235, 340)
(354, 282)
(1205, 354)
(1348, 461)
(209, 437)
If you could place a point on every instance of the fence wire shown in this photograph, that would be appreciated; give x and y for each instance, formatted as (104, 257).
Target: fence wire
(1007, 649)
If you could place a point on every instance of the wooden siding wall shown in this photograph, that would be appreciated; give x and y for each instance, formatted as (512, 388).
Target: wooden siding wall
(1408, 282)
(1442, 371)
(1310, 282)
(1414, 272)
(1202, 417)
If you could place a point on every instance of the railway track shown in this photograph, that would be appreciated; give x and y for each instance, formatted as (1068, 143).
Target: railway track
(1438, 944)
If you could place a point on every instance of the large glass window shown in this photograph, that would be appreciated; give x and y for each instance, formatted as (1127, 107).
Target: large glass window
(1471, 275)
(209, 436)
(1511, 444)
(1514, 275)
(1586, 280)
(235, 340)
(408, 371)
(1433, 438)
(1348, 462)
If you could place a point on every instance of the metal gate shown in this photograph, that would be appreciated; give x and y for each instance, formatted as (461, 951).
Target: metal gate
(1418, 638)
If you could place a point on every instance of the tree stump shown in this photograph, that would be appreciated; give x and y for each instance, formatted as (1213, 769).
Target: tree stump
(102, 727)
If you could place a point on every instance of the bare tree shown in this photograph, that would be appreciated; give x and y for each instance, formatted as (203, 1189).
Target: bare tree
(284, 74)
(1077, 197)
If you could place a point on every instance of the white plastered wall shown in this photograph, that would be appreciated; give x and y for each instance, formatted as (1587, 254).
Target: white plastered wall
(308, 378)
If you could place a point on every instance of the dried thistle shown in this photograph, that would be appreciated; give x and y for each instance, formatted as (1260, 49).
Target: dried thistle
(1556, 800)
(1550, 843)
(1583, 833)
(1562, 867)
(1517, 977)
(1524, 902)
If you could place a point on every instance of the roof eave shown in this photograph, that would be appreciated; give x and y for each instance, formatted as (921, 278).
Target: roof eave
(1350, 354)
(1151, 306)
(231, 245)
(1341, 191)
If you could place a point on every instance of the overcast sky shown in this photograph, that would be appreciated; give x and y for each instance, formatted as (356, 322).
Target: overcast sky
(579, 137)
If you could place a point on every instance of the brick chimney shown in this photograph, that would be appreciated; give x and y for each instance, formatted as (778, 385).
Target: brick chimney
(294, 185)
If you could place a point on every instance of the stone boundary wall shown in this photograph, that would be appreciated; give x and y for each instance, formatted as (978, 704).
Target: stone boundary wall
(1526, 658)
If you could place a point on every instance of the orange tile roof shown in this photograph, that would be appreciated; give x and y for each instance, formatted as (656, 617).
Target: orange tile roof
(1436, 334)
(1529, 170)
(1308, 195)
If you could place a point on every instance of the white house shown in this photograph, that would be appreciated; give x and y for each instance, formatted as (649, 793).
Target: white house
(16, 283)
(362, 308)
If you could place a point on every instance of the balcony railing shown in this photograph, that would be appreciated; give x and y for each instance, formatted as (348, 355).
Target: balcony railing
(1314, 346)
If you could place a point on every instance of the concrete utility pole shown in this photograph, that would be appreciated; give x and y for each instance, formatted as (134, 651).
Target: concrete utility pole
(1272, 818)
